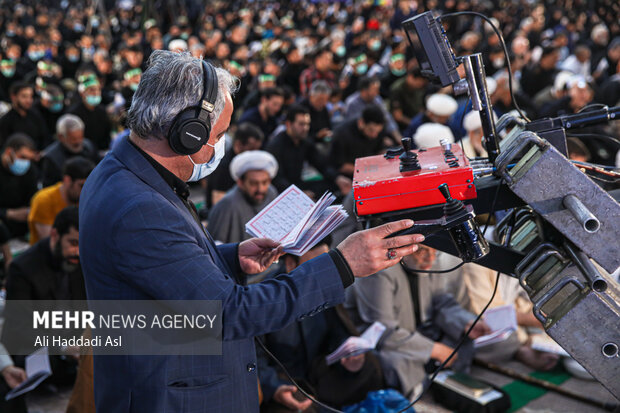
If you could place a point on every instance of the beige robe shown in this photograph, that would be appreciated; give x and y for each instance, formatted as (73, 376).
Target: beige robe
(386, 297)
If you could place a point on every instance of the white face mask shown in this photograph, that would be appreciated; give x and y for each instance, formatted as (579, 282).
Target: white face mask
(202, 170)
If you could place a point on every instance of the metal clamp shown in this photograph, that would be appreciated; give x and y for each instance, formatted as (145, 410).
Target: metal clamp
(533, 260)
(549, 295)
(507, 156)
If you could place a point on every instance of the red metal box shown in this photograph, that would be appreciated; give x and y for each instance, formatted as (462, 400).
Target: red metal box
(379, 186)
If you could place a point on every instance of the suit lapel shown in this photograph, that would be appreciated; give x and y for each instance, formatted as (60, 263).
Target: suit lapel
(136, 163)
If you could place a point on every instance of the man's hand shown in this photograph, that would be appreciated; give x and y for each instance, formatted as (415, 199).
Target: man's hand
(284, 396)
(344, 184)
(441, 352)
(480, 329)
(367, 251)
(353, 363)
(13, 376)
(18, 214)
(323, 133)
(257, 254)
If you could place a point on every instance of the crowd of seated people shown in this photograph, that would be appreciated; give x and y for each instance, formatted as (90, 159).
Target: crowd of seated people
(319, 85)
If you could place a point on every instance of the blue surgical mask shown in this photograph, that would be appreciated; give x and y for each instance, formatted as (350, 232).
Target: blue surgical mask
(375, 45)
(8, 72)
(93, 100)
(19, 167)
(34, 56)
(133, 86)
(56, 107)
(202, 170)
(341, 51)
(398, 72)
(73, 58)
(361, 69)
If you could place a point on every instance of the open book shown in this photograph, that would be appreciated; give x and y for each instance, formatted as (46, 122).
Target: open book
(353, 345)
(502, 321)
(37, 369)
(295, 221)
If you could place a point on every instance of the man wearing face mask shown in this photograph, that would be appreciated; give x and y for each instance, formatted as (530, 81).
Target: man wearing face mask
(97, 124)
(7, 77)
(131, 80)
(69, 144)
(51, 105)
(18, 182)
(142, 239)
(48, 270)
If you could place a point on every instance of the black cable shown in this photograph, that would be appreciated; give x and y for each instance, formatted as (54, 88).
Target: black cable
(592, 105)
(432, 271)
(462, 340)
(279, 363)
(593, 135)
(456, 348)
(505, 49)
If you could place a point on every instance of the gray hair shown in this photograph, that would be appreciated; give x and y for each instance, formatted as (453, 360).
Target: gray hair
(172, 83)
(320, 86)
(68, 123)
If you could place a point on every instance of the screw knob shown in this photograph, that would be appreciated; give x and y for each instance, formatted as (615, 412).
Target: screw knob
(445, 191)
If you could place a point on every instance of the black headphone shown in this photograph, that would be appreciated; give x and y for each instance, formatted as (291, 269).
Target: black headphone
(190, 129)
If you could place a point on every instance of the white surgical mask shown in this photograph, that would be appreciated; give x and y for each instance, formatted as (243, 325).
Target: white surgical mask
(202, 170)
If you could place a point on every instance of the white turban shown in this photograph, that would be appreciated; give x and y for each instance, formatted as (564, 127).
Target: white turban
(177, 44)
(429, 135)
(472, 120)
(441, 105)
(253, 161)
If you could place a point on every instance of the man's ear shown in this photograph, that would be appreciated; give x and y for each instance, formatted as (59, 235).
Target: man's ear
(54, 237)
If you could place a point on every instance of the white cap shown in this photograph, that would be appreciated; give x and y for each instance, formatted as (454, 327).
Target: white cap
(472, 121)
(177, 44)
(441, 105)
(561, 79)
(429, 135)
(253, 161)
(491, 85)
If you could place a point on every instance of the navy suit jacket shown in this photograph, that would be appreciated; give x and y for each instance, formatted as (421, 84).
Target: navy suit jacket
(138, 242)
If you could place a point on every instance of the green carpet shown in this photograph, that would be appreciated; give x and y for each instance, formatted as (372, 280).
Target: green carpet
(522, 393)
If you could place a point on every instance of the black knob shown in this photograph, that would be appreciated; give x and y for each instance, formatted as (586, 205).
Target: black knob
(406, 144)
(445, 191)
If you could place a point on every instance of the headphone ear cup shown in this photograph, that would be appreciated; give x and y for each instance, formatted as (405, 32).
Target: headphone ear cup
(187, 134)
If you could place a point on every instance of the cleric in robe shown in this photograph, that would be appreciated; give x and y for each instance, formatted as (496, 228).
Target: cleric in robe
(252, 171)
(141, 239)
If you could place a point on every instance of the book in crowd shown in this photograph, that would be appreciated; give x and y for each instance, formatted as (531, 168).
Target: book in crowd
(297, 222)
(37, 369)
(467, 386)
(354, 345)
(502, 321)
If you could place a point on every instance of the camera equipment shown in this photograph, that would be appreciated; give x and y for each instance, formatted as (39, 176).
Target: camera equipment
(560, 220)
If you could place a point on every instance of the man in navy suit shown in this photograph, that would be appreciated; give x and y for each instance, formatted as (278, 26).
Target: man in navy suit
(141, 239)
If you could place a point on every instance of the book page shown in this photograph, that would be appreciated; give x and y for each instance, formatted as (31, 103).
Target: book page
(37, 369)
(502, 321)
(353, 345)
(281, 216)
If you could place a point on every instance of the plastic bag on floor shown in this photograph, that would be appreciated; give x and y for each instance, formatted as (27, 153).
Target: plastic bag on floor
(381, 401)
